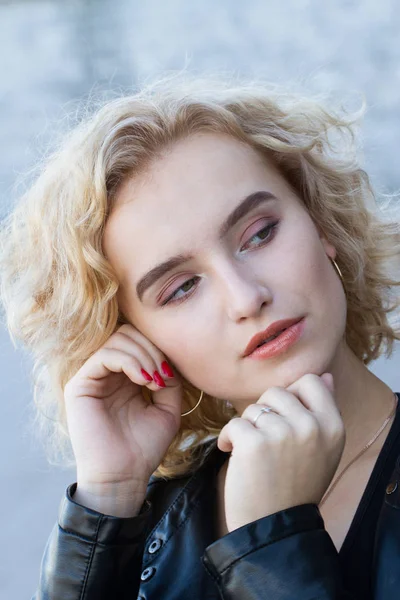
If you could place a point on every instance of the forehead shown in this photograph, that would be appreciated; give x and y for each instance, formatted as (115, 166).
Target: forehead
(203, 165)
(182, 194)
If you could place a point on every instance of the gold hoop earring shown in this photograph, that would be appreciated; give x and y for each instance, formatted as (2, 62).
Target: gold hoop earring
(337, 268)
(194, 408)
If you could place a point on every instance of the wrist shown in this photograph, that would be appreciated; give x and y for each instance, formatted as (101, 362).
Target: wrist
(122, 500)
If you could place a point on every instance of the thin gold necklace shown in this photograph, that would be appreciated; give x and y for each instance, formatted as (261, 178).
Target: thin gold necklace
(333, 485)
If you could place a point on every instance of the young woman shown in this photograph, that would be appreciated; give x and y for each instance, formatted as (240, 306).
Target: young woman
(203, 275)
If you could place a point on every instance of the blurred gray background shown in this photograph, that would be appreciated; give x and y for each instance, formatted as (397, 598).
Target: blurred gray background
(54, 53)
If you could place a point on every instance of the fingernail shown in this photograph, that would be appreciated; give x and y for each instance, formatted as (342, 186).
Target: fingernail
(146, 375)
(158, 379)
(167, 369)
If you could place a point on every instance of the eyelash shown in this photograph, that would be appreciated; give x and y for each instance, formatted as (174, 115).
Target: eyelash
(271, 231)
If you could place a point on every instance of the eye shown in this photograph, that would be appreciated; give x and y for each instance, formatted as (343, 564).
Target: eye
(173, 297)
(266, 234)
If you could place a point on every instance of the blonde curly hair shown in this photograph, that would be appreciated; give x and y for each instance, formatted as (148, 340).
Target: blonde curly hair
(58, 290)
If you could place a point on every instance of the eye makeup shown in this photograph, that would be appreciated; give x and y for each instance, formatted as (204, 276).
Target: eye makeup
(268, 231)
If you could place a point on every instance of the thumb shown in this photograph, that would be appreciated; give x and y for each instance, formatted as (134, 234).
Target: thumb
(327, 378)
(169, 398)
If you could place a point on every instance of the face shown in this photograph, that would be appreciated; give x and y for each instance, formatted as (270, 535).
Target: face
(270, 264)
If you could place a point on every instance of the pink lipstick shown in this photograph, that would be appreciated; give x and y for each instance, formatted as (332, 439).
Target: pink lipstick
(280, 343)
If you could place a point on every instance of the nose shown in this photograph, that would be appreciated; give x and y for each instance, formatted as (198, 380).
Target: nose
(243, 293)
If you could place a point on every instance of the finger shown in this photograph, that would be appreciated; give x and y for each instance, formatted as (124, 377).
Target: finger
(282, 402)
(93, 379)
(327, 378)
(255, 412)
(156, 354)
(113, 360)
(272, 425)
(236, 431)
(312, 392)
(108, 360)
(123, 342)
(315, 395)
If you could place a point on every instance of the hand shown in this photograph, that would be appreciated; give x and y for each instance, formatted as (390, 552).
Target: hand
(118, 438)
(286, 459)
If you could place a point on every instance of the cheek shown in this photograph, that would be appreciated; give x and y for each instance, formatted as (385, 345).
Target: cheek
(185, 343)
(319, 281)
(301, 256)
(321, 278)
(307, 271)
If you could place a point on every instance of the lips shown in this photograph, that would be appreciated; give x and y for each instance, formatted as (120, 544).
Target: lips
(272, 330)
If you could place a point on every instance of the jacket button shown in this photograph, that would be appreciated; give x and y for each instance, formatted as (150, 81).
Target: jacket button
(392, 487)
(154, 546)
(147, 573)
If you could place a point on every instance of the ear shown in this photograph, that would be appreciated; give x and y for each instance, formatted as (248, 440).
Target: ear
(330, 250)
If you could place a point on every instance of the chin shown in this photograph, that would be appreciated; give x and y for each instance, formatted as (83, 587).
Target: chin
(294, 370)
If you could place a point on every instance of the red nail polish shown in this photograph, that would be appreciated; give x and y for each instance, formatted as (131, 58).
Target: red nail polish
(158, 379)
(167, 369)
(146, 375)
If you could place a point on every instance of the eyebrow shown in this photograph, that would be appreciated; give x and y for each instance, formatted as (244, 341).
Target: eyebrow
(248, 204)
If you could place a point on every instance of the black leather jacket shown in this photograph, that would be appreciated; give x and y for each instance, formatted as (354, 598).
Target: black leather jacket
(170, 551)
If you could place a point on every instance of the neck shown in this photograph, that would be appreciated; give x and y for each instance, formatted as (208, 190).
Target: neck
(363, 400)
